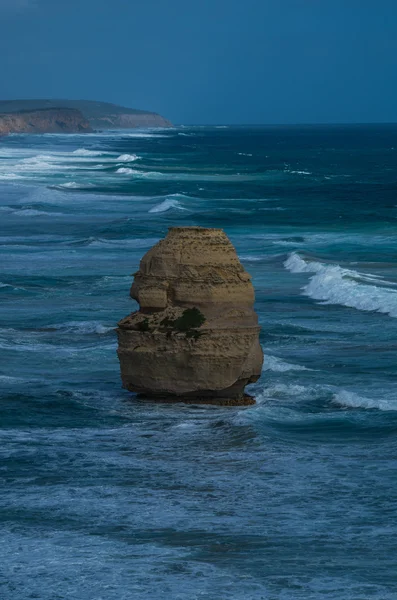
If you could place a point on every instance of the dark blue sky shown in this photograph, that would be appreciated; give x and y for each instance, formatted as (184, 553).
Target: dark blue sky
(208, 61)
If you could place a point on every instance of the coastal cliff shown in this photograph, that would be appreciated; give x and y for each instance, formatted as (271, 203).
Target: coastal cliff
(196, 335)
(48, 120)
(100, 115)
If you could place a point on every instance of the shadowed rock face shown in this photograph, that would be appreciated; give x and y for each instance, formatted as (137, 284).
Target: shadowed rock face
(196, 335)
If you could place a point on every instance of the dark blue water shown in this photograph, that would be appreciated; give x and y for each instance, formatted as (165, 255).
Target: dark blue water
(105, 497)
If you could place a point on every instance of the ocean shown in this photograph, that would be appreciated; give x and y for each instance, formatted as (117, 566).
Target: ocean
(105, 497)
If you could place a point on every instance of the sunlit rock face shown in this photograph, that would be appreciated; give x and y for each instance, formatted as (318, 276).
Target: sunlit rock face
(196, 335)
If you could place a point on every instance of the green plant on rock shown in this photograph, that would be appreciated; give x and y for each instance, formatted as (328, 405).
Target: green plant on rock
(143, 325)
(190, 320)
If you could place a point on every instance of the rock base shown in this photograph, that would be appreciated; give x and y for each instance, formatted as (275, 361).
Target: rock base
(245, 400)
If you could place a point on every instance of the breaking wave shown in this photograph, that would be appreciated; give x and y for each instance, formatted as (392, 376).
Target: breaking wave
(83, 327)
(273, 363)
(84, 152)
(73, 185)
(353, 400)
(122, 243)
(167, 204)
(125, 171)
(333, 284)
(128, 157)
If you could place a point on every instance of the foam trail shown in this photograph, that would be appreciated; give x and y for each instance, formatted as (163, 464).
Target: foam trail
(335, 285)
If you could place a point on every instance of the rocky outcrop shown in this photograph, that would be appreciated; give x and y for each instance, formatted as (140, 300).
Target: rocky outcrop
(49, 120)
(196, 335)
(100, 115)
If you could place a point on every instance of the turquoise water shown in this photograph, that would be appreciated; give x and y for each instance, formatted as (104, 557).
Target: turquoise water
(105, 497)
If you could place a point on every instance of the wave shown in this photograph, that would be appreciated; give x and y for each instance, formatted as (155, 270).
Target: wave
(85, 152)
(335, 285)
(8, 285)
(122, 243)
(273, 363)
(32, 212)
(145, 135)
(73, 185)
(8, 176)
(10, 380)
(167, 204)
(128, 157)
(299, 172)
(353, 400)
(125, 171)
(82, 327)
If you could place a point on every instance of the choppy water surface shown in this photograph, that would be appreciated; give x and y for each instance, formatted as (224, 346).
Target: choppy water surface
(105, 497)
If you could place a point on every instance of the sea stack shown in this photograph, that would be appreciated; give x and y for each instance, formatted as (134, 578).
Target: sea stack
(195, 338)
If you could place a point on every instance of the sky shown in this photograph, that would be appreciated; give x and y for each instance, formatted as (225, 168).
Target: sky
(208, 61)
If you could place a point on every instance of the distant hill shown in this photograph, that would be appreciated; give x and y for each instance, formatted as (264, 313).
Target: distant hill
(44, 120)
(100, 115)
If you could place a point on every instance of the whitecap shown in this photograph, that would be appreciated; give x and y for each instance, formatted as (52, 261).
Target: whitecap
(299, 172)
(122, 243)
(83, 327)
(167, 204)
(352, 400)
(273, 363)
(73, 185)
(9, 379)
(333, 284)
(125, 171)
(128, 157)
(31, 212)
(145, 135)
(85, 152)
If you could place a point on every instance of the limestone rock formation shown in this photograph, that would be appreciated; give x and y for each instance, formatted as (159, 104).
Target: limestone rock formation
(47, 120)
(196, 335)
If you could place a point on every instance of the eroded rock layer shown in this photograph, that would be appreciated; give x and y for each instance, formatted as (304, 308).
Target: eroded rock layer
(196, 335)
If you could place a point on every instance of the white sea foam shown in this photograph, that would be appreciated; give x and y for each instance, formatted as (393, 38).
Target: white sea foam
(83, 327)
(167, 204)
(31, 212)
(10, 380)
(273, 363)
(85, 152)
(144, 135)
(8, 176)
(74, 185)
(128, 157)
(335, 285)
(244, 154)
(125, 171)
(122, 243)
(353, 400)
(288, 391)
(299, 172)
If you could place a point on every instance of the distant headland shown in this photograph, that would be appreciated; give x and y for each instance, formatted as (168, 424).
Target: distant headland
(71, 116)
